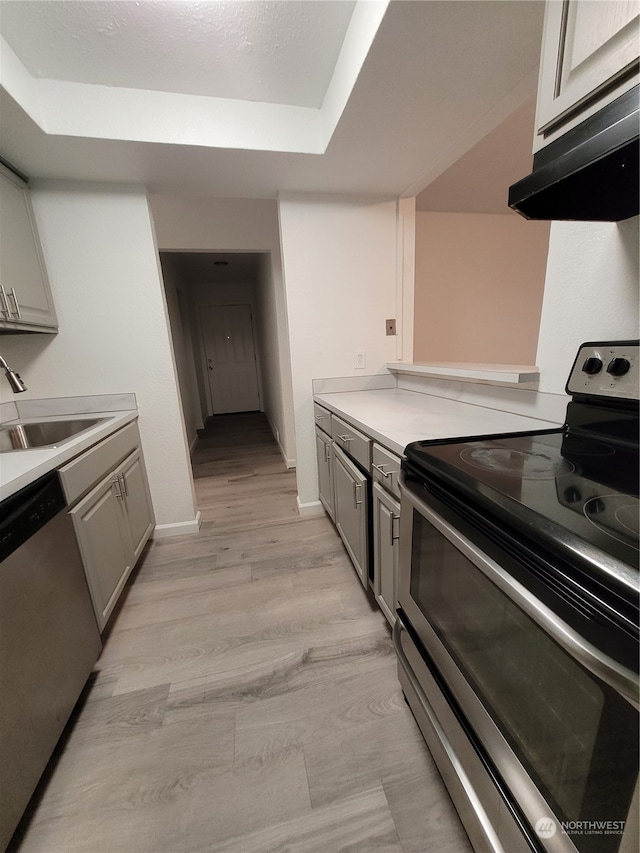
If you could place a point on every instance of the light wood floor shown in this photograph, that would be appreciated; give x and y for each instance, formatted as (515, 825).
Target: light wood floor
(246, 699)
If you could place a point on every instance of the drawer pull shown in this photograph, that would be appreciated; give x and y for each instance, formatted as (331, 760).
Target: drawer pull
(380, 469)
(394, 535)
(321, 417)
(345, 438)
(116, 482)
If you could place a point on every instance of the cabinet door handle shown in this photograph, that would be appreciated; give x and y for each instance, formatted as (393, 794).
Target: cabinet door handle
(5, 303)
(15, 301)
(327, 453)
(357, 486)
(394, 535)
(125, 487)
(380, 468)
(116, 482)
(345, 438)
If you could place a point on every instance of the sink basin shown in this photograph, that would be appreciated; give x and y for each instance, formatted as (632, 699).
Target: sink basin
(25, 436)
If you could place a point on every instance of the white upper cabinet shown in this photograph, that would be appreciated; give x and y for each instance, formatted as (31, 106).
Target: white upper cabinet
(25, 295)
(589, 57)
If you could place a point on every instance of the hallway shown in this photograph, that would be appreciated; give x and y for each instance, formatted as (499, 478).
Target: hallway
(246, 699)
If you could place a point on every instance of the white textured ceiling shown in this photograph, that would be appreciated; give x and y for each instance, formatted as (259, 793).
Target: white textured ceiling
(278, 52)
(438, 76)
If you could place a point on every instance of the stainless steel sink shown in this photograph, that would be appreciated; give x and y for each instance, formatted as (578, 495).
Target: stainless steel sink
(26, 436)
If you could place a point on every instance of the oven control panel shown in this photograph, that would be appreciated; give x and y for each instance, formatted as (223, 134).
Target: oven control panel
(607, 369)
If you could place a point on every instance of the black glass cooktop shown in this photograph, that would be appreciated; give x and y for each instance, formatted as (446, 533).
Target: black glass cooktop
(573, 493)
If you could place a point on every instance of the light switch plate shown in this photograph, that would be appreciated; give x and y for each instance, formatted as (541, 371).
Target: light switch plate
(391, 327)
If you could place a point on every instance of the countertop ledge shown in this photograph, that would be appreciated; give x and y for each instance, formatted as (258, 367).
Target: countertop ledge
(395, 418)
(19, 468)
(491, 374)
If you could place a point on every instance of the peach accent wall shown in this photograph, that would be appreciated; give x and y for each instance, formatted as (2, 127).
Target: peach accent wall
(479, 285)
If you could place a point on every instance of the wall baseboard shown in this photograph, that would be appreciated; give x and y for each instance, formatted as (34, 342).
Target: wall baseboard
(290, 463)
(311, 508)
(180, 528)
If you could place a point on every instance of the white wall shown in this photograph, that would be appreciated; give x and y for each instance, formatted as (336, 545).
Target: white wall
(405, 278)
(241, 225)
(269, 349)
(591, 293)
(180, 313)
(340, 266)
(103, 266)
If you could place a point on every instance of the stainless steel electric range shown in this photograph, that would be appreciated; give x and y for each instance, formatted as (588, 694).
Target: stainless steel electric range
(517, 629)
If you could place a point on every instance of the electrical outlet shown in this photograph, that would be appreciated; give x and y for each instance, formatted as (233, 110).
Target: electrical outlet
(360, 360)
(391, 327)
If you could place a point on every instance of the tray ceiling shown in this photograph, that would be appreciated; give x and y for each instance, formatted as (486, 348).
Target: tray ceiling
(276, 52)
(256, 99)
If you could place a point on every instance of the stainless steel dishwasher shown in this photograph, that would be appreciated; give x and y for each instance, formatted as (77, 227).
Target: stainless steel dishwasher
(49, 639)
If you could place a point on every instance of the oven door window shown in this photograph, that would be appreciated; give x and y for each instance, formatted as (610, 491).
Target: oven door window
(574, 735)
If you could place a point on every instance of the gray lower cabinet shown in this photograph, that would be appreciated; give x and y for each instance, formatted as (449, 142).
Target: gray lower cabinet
(112, 524)
(386, 530)
(324, 454)
(351, 511)
(344, 493)
(137, 501)
(322, 418)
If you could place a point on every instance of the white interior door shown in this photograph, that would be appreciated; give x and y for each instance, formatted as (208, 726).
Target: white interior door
(231, 358)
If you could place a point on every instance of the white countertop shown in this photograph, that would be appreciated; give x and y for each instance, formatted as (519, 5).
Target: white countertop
(395, 418)
(19, 468)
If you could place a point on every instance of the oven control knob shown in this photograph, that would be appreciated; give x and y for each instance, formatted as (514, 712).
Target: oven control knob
(594, 506)
(572, 495)
(618, 366)
(592, 365)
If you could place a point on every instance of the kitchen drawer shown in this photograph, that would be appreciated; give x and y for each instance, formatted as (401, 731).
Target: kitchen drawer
(79, 475)
(385, 469)
(354, 443)
(322, 418)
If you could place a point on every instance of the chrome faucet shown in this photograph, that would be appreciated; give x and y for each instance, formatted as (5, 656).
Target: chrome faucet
(17, 385)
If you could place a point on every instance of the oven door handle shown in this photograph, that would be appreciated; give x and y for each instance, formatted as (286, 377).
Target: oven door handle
(623, 680)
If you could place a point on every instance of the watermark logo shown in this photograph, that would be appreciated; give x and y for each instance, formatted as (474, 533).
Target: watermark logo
(545, 827)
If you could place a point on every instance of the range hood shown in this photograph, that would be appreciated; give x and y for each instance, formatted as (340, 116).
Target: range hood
(590, 173)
